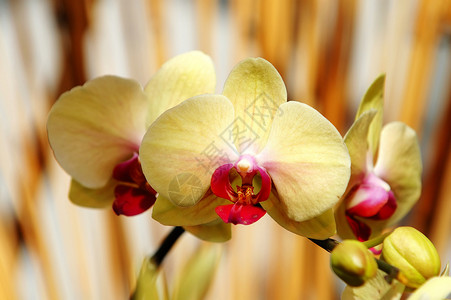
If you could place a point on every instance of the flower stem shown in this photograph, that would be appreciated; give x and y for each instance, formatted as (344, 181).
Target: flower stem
(376, 241)
(328, 244)
(392, 272)
(166, 245)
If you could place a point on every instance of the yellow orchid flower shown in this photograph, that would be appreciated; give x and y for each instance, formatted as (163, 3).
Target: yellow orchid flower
(95, 130)
(283, 158)
(385, 171)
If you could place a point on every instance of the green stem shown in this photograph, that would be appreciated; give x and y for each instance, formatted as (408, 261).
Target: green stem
(392, 272)
(166, 245)
(327, 245)
(376, 241)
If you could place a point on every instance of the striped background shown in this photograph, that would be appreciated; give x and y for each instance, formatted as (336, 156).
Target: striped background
(328, 53)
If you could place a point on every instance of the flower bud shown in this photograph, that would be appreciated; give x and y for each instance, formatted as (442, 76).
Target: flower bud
(151, 283)
(413, 254)
(353, 262)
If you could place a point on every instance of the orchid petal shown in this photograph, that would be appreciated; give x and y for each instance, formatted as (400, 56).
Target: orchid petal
(375, 288)
(220, 182)
(360, 229)
(321, 227)
(399, 164)
(344, 229)
(216, 231)
(433, 288)
(96, 126)
(240, 214)
(356, 140)
(94, 198)
(167, 213)
(256, 90)
(367, 200)
(307, 161)
(374, 99)
(184, 146)
(180, 78)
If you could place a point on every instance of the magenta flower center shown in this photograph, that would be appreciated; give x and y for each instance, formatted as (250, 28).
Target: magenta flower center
(133, 194)
(245, 208)
(372, 199)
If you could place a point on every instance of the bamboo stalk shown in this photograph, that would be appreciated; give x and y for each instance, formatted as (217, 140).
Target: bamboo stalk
(427, 32)
(334, 68)
(9, 248)
(156, 11)
(206, 12)
(441, 223)
(275, 32)
(302, 83)
(245, 14)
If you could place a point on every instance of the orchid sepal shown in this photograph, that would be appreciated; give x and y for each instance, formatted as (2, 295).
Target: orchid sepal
(320, 227)
(182, 77)
(216, 231)
(92, 198)
(304, 154)
(256, 91)
(85, 141)
(167, 213)
(374, 99)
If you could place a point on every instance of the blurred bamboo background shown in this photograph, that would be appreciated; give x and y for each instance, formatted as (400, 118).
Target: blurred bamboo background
(328, 53)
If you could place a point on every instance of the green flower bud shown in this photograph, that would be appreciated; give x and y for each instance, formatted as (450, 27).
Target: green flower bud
(353, 262)
(413, 254)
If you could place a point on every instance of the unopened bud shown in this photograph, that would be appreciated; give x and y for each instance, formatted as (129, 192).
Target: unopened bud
(413, 254)
(353, 262)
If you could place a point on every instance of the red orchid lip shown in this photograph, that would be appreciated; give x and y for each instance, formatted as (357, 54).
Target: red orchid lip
(133, 195)
(130, 201)
(240, 214)
(245, 209)
(369, 200)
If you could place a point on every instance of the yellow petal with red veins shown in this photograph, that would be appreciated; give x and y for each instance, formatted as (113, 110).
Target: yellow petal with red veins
(93, 127)
(307, 161)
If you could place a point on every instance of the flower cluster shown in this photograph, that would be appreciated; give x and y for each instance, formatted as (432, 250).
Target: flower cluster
(385, 171)
(205, 161)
